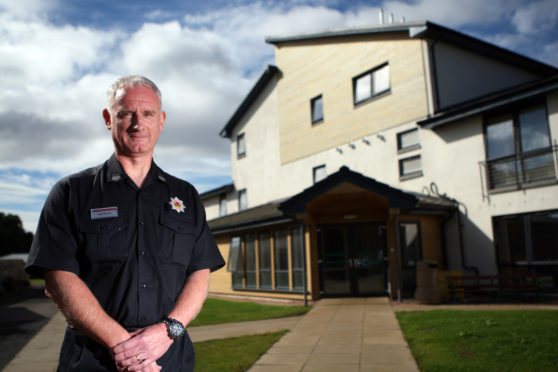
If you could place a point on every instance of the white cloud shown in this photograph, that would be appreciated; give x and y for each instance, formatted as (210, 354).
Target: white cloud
(536, 17)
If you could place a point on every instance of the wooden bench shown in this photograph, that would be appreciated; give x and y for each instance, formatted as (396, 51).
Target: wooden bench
(493, 284)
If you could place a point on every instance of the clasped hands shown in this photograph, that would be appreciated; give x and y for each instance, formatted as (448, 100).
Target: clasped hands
(141, 351)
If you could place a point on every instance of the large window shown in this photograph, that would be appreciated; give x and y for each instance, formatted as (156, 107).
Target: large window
(317, 109)
(411, 253)
(518, 149)
(371, 83)
(281, 261)
(268, 260)
(529, 242)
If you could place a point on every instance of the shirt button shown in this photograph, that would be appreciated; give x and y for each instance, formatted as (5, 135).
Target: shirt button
(142, 253)
(142, 319)
(141, 223)
(144, 285)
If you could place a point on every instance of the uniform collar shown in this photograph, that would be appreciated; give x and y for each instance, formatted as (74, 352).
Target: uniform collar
(115, 172)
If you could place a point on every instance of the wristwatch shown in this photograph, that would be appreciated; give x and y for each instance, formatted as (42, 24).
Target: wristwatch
(175, 329)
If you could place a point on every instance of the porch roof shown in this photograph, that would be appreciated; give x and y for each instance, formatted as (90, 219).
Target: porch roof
(284, 211)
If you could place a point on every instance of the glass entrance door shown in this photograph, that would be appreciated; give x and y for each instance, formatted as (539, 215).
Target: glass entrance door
(352, 259)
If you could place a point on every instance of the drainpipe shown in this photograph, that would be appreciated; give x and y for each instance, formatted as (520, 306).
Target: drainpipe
(302, 240)
(396, 244)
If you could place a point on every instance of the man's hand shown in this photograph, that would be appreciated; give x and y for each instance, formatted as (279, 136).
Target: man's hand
(148, 344)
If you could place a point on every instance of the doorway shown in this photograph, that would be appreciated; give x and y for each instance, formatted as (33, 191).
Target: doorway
(352, 259)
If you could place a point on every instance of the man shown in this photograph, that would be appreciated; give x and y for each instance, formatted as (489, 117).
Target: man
(125, 249)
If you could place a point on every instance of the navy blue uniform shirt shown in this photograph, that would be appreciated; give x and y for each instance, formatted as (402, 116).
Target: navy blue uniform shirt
(133, 247)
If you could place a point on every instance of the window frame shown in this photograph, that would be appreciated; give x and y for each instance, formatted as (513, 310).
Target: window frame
(240, 150)
(518, 157)
(314, 171)
(406, 176)
(313, 108)
(223, 205)
(415, 146)
(373, 95)
(242, 193)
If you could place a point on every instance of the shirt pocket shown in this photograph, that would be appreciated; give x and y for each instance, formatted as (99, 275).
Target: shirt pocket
(178, 239)
(105, 240)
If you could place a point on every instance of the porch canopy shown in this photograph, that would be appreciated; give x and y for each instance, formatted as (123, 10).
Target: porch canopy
(291, 209)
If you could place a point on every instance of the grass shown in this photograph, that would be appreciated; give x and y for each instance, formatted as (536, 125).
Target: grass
(452, 340)
(217, 311)
(235, 354)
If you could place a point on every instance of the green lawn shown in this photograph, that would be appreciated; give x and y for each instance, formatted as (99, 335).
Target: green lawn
(235, 354)
(452, 340)
(217, 311)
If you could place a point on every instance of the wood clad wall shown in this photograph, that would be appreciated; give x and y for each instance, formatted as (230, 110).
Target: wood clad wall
(327, 67)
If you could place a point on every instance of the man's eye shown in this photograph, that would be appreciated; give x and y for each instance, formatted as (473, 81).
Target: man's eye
(149, 114)
(122, 115)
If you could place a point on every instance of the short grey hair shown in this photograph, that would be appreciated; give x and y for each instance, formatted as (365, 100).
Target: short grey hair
(128, 82)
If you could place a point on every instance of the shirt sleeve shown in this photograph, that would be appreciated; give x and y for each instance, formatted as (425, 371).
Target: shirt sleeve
(54, 246)
(206, 254)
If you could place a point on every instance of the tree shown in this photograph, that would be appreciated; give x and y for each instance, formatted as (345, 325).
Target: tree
(13, 238)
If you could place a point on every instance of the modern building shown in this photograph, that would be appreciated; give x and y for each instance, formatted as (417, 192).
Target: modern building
(364, 151)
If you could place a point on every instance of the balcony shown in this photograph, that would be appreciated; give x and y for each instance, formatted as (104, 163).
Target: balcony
(520, 171)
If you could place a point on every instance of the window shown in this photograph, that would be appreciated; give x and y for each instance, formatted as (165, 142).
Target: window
(317, 109)
(518, 149)
(408, 140)
(281, 261)
(250, 260)
(223, 206)
(242, 200)
(297, 258)
(264, 260)
(234, 263)
(410, 167)
(411, 253)
(371, 83)
(319, 173)
(240, 145)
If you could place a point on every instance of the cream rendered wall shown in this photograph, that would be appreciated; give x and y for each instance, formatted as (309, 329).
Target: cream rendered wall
(211, 208)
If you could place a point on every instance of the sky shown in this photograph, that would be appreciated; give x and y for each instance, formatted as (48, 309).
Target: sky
(58, 57)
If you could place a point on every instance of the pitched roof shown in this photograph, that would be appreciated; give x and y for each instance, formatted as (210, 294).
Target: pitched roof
(217, 191)
(491, 102)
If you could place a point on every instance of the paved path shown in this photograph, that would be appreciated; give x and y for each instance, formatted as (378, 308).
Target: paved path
(359, 334)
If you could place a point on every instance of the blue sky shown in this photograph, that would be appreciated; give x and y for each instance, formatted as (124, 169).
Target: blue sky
(57, 57)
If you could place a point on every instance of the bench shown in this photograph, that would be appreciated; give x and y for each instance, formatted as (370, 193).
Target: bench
(493, 284)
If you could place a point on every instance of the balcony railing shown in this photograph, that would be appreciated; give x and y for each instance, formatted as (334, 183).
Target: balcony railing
(520, 171)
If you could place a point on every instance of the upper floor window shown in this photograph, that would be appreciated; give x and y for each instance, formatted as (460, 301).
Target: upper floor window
(242, 200)
(518, 148)
(317, 109)
(223, 206)
(371, 83)
(319, 173)
(408, 140)
(240, 145)
(410, 167)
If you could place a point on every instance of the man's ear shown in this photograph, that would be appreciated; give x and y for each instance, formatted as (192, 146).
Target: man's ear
(163, 118)
(106, 118)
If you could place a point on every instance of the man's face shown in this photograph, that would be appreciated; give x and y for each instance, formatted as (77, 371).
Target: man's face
(135, 122)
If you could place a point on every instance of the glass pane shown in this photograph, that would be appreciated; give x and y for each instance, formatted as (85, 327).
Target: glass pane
(369, 258)
(297, 259)
(509, 236)
(544, 236)
(264, 255)
(533, 126)
(222, 207)
(411, 165)
(363, 88)
(381, 80)
(408, 139)
(410, 244)
(317, 109)
(241, 145)
(499, 138)
(235, 256)
(502, 173)
(319, 173)
(281, 259)
(335, 261)
(242, 200)
(538, 167)
(250, 260)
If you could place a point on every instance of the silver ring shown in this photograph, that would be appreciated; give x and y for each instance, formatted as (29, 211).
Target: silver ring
(138, 359)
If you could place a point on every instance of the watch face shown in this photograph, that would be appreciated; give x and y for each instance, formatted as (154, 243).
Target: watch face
(176, 329)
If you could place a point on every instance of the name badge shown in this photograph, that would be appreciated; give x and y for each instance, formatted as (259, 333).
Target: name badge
(108, 212)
